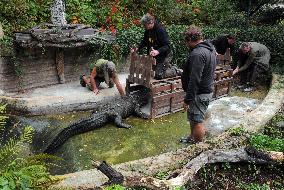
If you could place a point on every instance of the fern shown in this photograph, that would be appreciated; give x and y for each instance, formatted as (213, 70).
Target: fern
(17, 172)
(14, 146)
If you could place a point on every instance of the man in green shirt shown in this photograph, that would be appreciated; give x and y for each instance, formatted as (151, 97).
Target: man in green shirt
(102, 71)
(253, 60)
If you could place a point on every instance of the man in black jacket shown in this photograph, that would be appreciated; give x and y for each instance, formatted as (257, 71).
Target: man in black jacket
(156, 41)
(197, 81)
(223, 42)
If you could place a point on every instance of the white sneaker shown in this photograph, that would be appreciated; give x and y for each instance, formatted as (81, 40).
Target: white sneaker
(248, 89)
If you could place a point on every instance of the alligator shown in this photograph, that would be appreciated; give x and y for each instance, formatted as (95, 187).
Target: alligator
(113, 111)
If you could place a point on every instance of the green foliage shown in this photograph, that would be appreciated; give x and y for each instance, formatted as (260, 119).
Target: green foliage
(271, 36)
(6, 46)
(272, 128)
(16, 170)
(23, 14)
(253, 186)
(161, 175)
(115, 187)
(238, 131)
(265, 142)
(261, 10)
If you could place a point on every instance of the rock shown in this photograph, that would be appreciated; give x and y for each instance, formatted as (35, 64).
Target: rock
(280, 124)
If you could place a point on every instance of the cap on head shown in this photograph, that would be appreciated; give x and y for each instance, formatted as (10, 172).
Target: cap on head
(109, 71)
(110, 66)
(193, 33)
(147, 19)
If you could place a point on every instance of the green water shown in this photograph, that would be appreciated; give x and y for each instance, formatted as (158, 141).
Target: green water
(115, 145)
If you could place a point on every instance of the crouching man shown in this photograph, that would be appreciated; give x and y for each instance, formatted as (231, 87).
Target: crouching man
(102, 71)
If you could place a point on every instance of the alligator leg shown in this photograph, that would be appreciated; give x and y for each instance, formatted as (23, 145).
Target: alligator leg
(118, 122)
(139, 113)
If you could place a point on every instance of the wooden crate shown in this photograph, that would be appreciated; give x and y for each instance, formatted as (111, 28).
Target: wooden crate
(223, 80)
(167, 97)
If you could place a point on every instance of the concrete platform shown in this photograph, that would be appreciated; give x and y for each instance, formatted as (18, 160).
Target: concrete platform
(59, 98)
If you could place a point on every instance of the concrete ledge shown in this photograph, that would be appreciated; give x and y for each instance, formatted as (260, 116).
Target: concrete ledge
(173, 160)
(60, 98)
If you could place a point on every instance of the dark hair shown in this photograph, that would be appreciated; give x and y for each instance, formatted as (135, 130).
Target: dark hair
(193, 33)
(147, 19)
(231, 36)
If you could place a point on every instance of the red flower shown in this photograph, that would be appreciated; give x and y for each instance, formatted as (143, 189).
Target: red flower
(112, 29)
(136, 22)
(108, 19)
(113, 9)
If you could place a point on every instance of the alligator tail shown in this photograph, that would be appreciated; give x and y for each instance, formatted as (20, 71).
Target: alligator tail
(79, 127)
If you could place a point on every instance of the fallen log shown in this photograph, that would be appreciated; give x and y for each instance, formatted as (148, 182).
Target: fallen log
(187, 173)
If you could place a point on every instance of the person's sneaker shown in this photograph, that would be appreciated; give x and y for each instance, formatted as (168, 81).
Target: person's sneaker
(248, 89)
(82, 82)
(241, 86)
(187, 140)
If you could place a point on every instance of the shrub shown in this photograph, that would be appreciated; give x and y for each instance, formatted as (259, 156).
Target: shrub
(271, 36)
(17, 171)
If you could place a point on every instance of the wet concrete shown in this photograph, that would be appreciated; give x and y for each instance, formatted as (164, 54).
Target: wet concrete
(61, 98)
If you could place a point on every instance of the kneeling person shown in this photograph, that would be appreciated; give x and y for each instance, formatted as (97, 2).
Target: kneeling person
(102, 71)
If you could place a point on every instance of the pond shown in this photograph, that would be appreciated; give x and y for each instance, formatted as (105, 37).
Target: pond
(112, 144)
(115, 145)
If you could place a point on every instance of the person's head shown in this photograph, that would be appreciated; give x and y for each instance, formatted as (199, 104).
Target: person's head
(245, 47)
(231, 39)
(193, 36)
(148, 21)
(109, 71)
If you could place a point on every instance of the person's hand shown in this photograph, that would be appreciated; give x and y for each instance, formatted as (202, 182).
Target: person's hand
(154, 52)
(235, 71)
(185, 107)
(134, 49)
(96, 91)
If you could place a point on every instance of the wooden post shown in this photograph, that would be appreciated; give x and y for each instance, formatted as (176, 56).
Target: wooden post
(59, 60)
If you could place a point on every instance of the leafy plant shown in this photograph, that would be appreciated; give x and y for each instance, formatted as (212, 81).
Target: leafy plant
(238, 131)
(254, 186)
(265, 142)
(16, 170)
(161, 175)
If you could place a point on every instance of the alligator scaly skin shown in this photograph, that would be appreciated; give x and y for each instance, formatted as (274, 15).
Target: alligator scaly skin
(103, 114)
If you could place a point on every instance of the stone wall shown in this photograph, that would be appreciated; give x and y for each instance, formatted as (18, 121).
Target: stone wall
(36, 67)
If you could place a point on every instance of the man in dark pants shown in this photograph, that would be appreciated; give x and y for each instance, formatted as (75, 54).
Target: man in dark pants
(197, 81)
(157, 43)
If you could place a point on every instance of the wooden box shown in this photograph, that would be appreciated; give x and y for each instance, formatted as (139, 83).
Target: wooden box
(167, 97)
(223, 80)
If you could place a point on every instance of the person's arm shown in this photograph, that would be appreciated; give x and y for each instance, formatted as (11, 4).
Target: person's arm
(247, 63)
(236, 70)
(93, 82)
(164, 40)
(118, 85)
